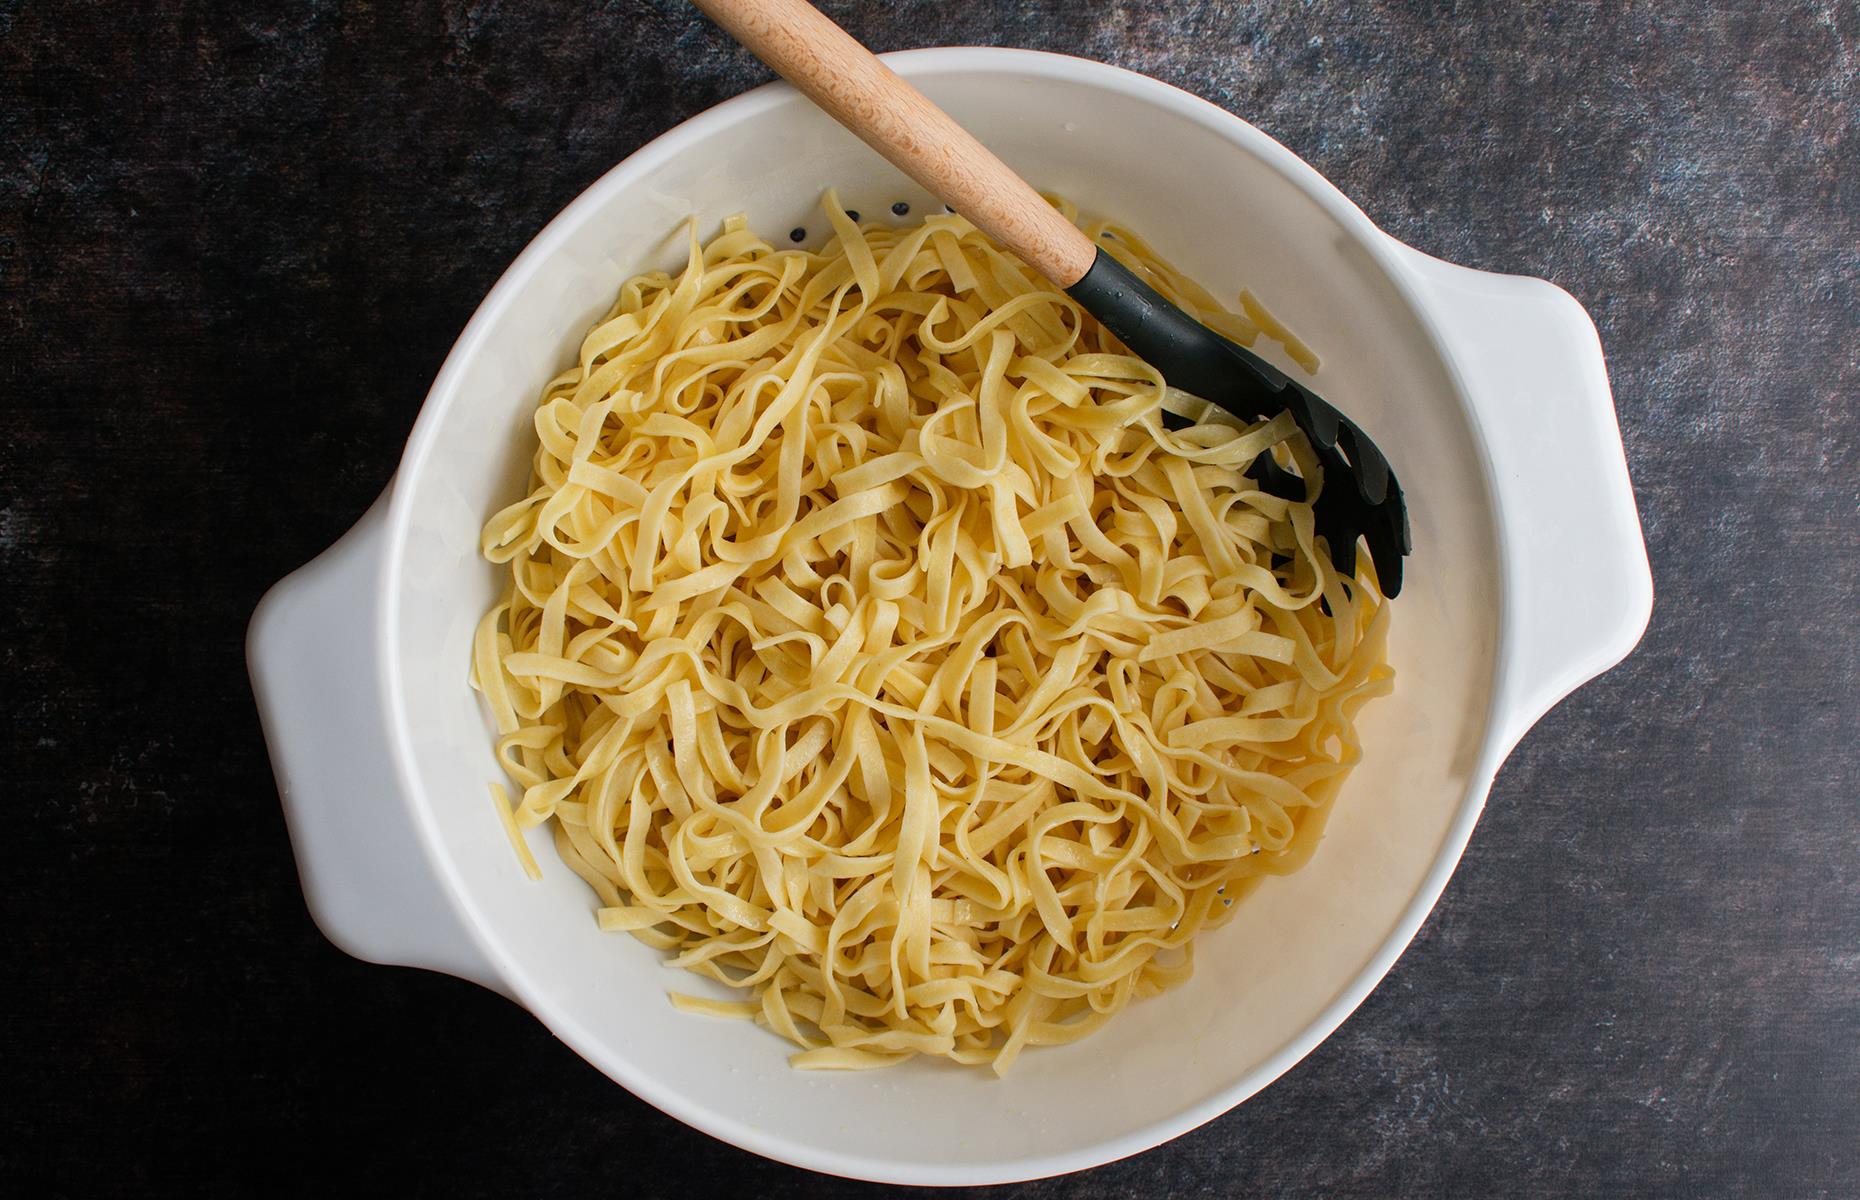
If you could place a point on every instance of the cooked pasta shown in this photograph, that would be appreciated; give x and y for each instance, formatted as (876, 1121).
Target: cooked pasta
(874, 647)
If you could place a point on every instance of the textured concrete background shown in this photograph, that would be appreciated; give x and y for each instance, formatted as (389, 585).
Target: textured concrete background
(236, 242)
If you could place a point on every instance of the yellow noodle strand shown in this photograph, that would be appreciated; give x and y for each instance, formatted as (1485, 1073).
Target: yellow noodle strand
(874, 648)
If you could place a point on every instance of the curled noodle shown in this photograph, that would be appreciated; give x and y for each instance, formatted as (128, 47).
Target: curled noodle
(873, 647)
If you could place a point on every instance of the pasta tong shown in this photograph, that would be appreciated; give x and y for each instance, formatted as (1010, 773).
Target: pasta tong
(1360, 498)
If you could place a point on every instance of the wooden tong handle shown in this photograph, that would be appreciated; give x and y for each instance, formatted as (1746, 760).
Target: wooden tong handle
(895, 119)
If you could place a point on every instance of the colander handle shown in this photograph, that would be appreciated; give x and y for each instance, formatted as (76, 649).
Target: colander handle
(1577, 587)
(312, 648)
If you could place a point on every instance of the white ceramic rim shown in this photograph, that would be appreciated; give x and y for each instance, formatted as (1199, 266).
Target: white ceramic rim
(1383, 251)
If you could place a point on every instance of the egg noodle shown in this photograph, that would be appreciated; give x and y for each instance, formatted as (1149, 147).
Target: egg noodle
(876, 649)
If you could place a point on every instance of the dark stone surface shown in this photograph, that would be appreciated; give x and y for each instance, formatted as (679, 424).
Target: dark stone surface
(235, 244)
